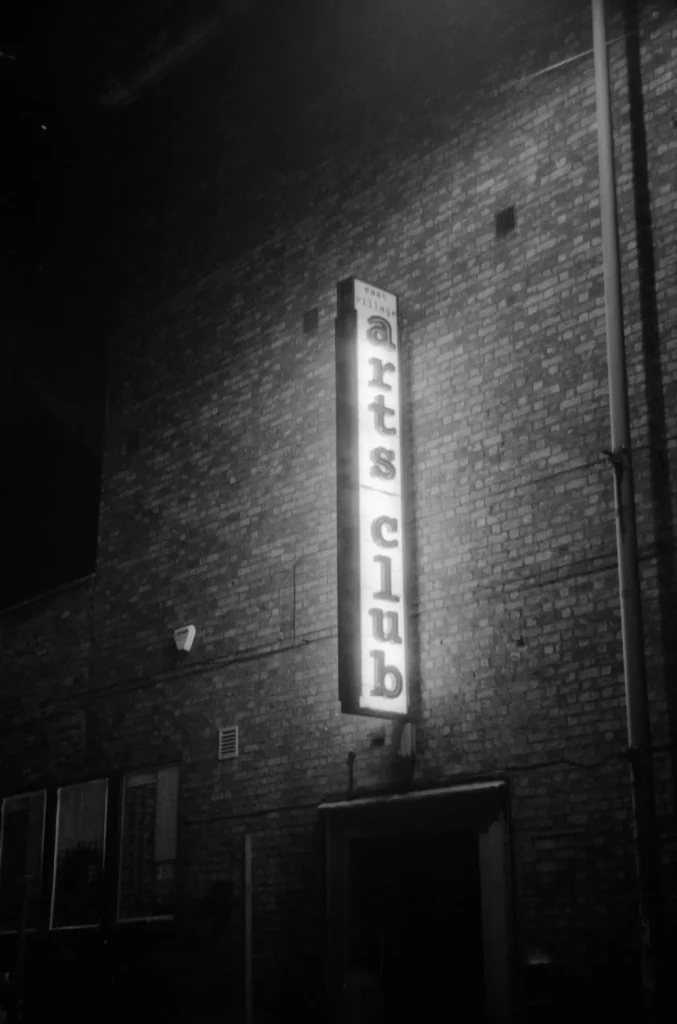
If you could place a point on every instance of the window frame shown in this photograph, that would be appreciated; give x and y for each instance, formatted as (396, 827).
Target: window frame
(141, 918)
(39, 883)
(109, 919)
(55, 854)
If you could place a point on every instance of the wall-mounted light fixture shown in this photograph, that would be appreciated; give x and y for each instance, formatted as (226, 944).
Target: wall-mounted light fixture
(183, 638)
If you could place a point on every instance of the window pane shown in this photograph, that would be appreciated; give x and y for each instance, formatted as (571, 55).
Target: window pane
(78, 873)
(148, 854)
(23, 827)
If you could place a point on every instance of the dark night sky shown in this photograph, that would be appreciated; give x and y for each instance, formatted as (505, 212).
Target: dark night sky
(57, 285)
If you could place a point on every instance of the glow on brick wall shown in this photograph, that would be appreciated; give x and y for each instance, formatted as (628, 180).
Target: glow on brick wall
(372, 604)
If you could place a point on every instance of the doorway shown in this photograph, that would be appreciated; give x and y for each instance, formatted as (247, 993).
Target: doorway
(419, 907)
(415, 923)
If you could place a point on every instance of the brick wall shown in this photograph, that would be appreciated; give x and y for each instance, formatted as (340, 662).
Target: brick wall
(218, 497)
(44, 682)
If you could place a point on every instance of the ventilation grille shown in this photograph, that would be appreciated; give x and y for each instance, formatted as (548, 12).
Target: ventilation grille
(228, 743)
(310, 321)
(505, 221)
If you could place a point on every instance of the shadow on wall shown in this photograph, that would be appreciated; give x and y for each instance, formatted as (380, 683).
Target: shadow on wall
(558, 996)
(164, 971)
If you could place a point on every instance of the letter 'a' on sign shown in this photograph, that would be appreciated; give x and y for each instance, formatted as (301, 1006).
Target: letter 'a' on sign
(374, 672)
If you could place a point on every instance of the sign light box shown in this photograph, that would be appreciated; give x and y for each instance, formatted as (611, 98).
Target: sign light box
(372, 595)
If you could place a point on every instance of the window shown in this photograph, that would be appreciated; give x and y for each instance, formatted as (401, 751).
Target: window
(111, 848)
(77, 896)
(148, 844)
(21, 842)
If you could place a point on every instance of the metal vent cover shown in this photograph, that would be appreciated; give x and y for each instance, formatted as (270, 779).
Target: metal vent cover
(505, 221)
(228, 742)
(310, 321)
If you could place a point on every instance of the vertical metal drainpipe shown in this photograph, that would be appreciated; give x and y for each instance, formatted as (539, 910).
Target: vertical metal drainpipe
(248, 967)
(639, 740)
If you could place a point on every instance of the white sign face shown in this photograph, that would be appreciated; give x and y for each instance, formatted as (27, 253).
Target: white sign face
(383, 625)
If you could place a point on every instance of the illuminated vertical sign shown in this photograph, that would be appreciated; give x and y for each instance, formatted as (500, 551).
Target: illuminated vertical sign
(372, 598)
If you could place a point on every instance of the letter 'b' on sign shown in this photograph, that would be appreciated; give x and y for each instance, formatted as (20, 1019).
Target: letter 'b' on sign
(387, 678)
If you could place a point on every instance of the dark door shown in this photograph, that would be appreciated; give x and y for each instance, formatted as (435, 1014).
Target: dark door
(415, 923)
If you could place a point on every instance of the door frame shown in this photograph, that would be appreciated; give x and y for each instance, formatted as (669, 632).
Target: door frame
(484, 809)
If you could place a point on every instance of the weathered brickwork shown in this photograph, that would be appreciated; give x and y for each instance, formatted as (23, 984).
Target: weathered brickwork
(44, 680)
(218, 506)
